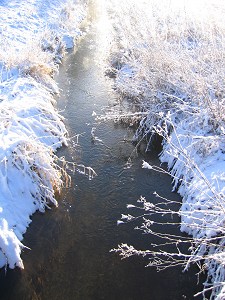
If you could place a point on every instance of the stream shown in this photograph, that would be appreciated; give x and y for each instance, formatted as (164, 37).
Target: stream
(70, 245)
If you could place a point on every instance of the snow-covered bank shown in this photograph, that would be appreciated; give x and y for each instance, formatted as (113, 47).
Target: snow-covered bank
(168, 59)
(34, 35)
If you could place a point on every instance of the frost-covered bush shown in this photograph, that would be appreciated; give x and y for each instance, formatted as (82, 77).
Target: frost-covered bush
(175, 47)
(168, 59)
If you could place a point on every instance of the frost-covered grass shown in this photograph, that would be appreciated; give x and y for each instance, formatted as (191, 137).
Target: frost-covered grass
(169, 59)
(33, 38)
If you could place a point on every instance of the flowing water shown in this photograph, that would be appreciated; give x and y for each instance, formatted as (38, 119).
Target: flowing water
(70, 256)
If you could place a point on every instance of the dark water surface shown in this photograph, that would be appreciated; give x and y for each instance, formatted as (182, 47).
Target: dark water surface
(70, 256)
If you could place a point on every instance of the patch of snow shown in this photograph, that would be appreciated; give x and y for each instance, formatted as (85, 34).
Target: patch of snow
(33, 36)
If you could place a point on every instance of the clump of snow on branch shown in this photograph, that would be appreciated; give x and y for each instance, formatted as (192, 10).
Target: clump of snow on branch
(34, 36)
(172, 69)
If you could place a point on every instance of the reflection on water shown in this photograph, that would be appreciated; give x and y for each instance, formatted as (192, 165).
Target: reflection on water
(70, 245)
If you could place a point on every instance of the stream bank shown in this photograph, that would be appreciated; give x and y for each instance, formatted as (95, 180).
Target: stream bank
(70, 245)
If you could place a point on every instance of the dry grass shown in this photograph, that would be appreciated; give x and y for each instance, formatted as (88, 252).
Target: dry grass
(175, 48)
(169, 57)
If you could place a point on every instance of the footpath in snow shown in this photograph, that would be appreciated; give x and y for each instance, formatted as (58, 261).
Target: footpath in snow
(34, 36)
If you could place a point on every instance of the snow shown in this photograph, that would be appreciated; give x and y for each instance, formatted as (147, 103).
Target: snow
(33, 37)
(172, 67)
(202, 169)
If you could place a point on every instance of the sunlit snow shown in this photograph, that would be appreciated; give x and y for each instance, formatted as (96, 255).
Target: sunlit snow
(34, 35)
